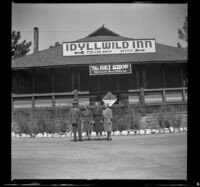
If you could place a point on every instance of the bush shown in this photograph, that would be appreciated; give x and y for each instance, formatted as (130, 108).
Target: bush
(20, 124)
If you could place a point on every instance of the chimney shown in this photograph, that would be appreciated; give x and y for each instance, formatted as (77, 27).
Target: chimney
(36, 39)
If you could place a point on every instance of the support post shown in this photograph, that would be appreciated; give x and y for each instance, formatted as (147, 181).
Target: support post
(52, 81)
(72, 77)
(33, 90)
(137, 78)
(142, 100)
(144, 76)
(163, 75)
(79, 80)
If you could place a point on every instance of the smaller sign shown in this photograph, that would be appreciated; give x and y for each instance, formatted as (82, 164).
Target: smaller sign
(105, 69)
(109, 99)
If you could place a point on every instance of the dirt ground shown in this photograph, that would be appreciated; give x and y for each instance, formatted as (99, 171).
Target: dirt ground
(159, 156)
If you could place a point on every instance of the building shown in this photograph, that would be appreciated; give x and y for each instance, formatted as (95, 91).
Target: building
(47, 78)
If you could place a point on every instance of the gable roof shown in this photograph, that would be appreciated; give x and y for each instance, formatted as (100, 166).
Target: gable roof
(102, 31)
(54, 56)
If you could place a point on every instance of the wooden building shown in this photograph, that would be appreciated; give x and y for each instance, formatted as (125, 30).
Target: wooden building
(47, 78)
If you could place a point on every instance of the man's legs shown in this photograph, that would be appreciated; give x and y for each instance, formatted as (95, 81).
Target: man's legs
(74, 131)
(79, 132)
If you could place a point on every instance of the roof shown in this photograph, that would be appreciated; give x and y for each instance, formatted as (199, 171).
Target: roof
(54, 56)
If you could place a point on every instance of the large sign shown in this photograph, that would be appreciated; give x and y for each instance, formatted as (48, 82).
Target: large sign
(109, 47)
(105, 69)
(109, 99)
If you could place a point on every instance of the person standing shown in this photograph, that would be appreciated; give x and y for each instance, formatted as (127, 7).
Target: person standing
(86, 116)
(74, 117)
(107, 113)
(98, 118)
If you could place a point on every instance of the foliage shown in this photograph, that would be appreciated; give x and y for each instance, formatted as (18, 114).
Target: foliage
(18, 49)
(20, 125)
(56, 44)
(183, 33)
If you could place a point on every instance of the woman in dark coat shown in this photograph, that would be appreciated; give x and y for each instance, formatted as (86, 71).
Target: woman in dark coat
(98, 118)
(86, 117)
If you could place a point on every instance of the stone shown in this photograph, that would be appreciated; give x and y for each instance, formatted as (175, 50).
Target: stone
(104, 133)
(171, 129)
(124, 132)
(185, 128)
(17, 135)
(13, 134)
(93, 133)
(84, 134)
(116, 133)
(69, 134)
(156, 131)
(153, 131)
(161, 131)
(148, 131)
(45, 135)
(56, 135)
(142, 131)
(50, 135)
(176, 130)
(137, 132)
(132, 133)
(181, 129)
(39, 135)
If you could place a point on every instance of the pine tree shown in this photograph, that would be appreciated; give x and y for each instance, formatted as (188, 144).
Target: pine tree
(183, 33)
(18, 49)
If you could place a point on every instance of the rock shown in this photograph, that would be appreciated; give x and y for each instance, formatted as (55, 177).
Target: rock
(132, 133)
(171, 129)
(156, 131)
(124, 132)
(161, 131)
(104, 133)
(93, 133)
(56, 135)
(84, 134)
(176, 130)
(39, 135)
(23, 135)
(50, 135)
(185, 128)
(17, 135)
(137, 132)
(13, 134)
(69, 134)
(116, 133)
(153, 131)
(142, 131)
(45, 135)
(181, 129)
(148, 131)
(63, 136)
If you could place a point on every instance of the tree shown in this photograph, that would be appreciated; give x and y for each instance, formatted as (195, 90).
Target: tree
(56, 45)
(183, 33)
(18, 49)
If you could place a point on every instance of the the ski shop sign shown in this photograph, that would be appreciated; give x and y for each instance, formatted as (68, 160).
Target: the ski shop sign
(109, 47)
(105, 69)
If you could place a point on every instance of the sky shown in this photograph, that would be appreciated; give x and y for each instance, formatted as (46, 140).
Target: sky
(68, 22)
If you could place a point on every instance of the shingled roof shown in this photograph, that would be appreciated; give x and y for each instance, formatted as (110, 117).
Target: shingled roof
(54, 56)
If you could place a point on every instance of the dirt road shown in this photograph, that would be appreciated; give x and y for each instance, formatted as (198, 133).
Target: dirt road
(160, 156)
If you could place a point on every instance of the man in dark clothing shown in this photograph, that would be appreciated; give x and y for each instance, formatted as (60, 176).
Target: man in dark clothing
(74, 117)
